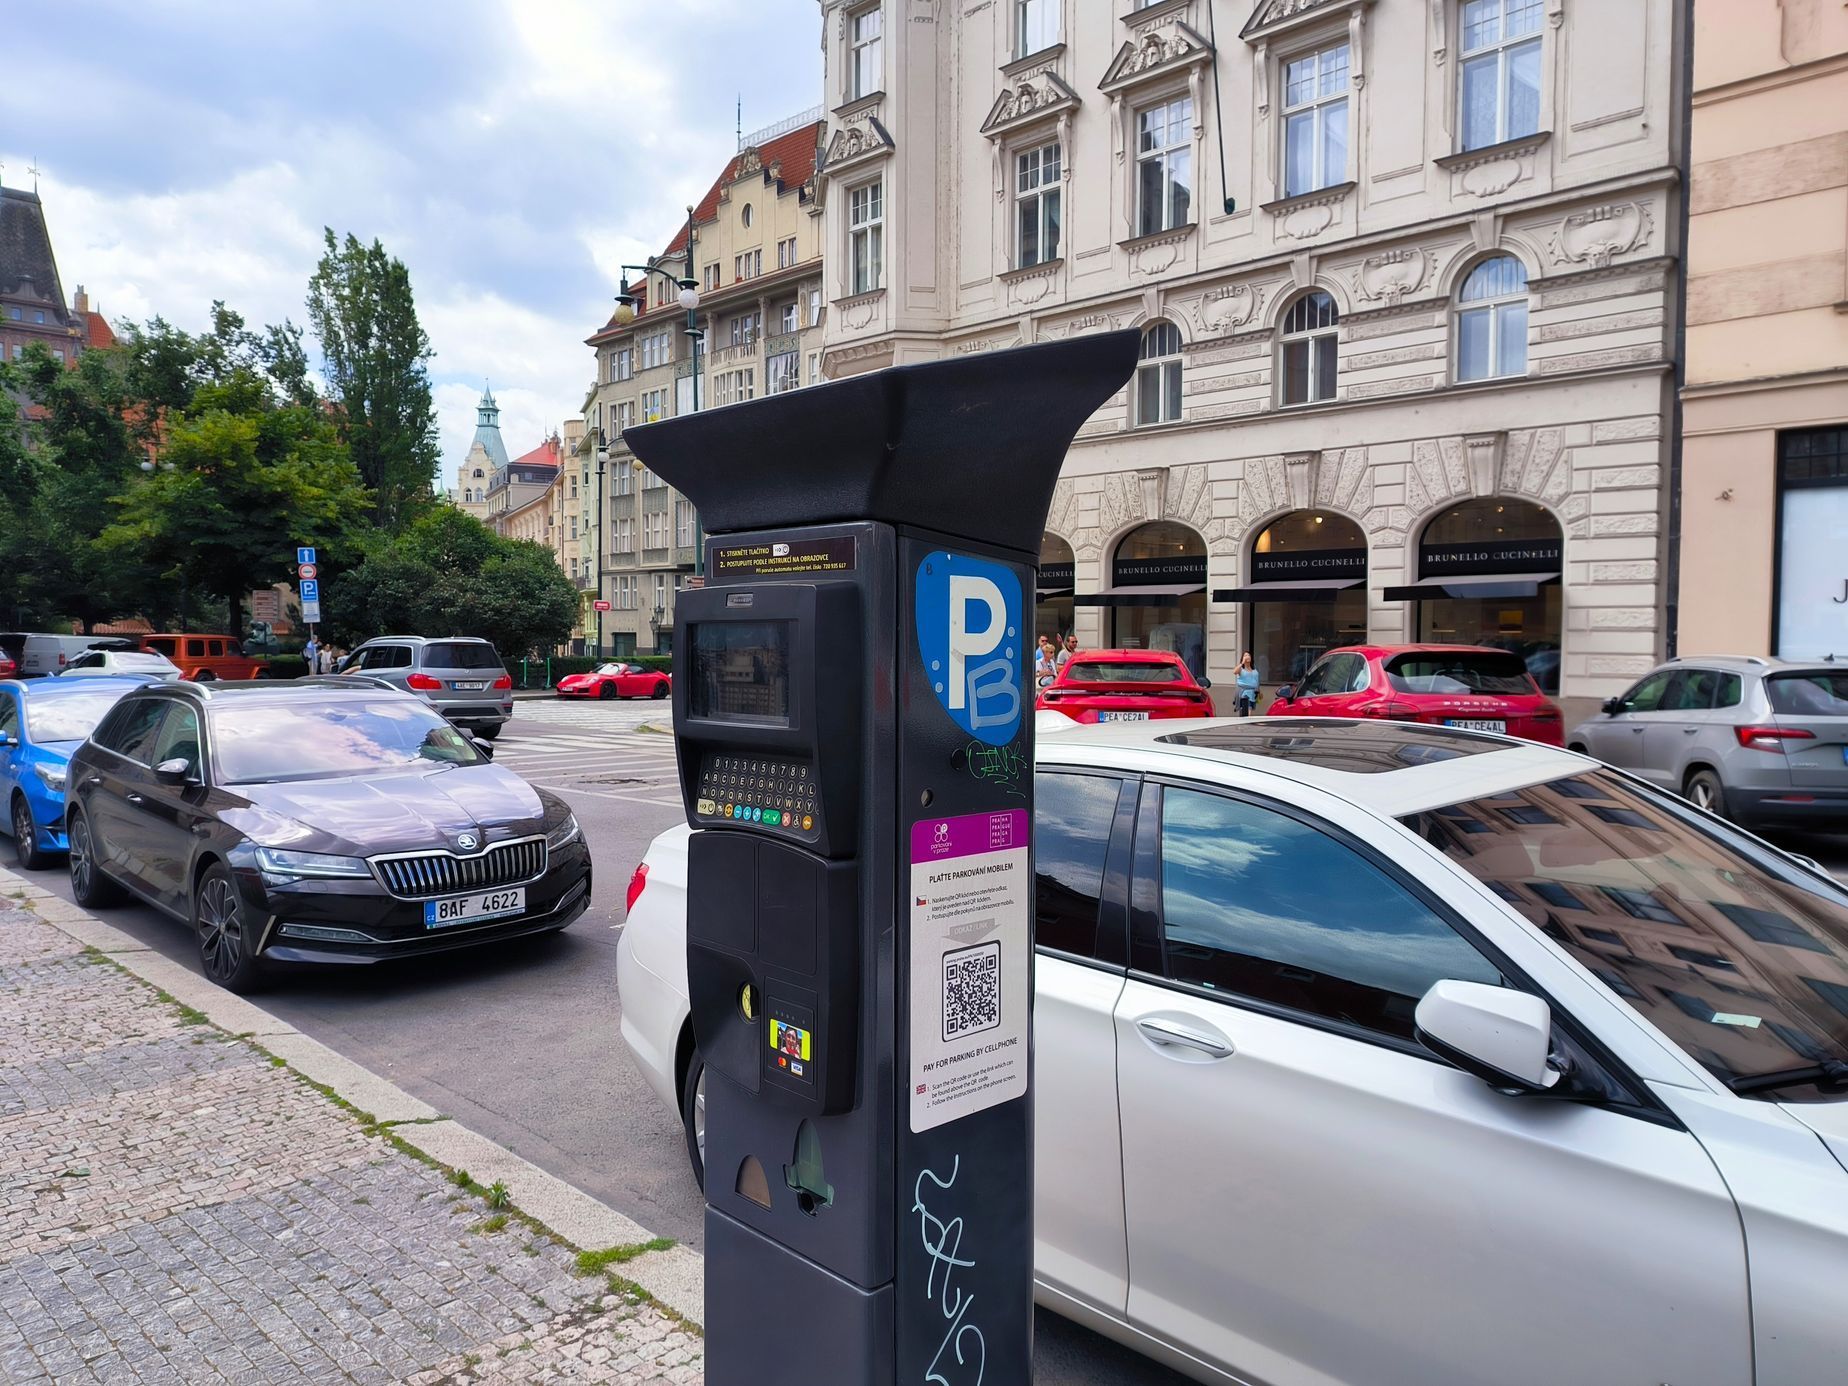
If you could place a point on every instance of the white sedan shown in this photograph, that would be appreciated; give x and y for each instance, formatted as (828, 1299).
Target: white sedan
(97, 663)
(1380, 1053)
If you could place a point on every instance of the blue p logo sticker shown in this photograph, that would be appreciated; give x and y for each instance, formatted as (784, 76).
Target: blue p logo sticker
(969, 634)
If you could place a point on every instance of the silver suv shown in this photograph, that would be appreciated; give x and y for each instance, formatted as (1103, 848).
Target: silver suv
(1755, 740)
(461, 676)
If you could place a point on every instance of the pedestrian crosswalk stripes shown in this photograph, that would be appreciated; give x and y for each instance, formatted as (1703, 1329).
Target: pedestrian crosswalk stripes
(595, 749)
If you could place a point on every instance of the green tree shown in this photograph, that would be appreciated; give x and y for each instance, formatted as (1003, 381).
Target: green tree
(80, 452)
(362, 311)
(449, 574)
(243, 479)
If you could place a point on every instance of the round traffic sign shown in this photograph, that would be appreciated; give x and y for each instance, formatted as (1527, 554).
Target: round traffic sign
(306, 570)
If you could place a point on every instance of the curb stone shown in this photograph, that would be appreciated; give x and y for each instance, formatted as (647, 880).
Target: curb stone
(674, 1277)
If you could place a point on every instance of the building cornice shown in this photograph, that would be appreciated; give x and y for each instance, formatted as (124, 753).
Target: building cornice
(1149, 58)
(1492, 153)
(1031, 63)
(1805, 380)
(1275, 17)
(1771, 81)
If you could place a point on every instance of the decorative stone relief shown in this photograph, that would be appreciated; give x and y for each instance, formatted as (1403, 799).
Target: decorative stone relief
(1306, 223)
(1033, 94)
(1223, 311)
(1154, 256)
(1080, 326)
(1387, 278)
(1484, 454)
(1153, 50)
(1028, 289)
(1598, 235)
(1299, 470)
(862, 137)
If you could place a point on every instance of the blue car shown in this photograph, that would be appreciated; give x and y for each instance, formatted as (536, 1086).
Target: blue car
(41, 723)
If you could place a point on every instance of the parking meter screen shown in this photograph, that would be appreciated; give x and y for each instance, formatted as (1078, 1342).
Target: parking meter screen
(741, 672)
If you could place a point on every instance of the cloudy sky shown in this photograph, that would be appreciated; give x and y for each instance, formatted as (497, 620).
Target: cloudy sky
(512, 153)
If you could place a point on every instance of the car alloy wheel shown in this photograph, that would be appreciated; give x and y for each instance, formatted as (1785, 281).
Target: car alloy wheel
(606, 690)
(25, 835)
(224, 948)
(660, 690)
(693, 1117)
(89, 886)
(1705, 791)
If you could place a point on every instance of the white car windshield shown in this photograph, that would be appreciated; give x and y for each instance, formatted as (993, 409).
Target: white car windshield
(1737, 954)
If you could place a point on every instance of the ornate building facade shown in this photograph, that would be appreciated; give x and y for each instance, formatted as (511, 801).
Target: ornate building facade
(1405, 277)
(756, 254)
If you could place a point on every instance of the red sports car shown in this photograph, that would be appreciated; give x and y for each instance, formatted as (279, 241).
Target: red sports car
(617, 681)
(1465, 686)
(1124, 686)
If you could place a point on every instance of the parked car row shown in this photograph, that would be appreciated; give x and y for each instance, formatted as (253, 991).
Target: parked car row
(1390, 1051)
(200, 658)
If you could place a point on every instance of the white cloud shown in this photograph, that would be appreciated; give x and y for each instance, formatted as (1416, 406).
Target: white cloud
(513, 157)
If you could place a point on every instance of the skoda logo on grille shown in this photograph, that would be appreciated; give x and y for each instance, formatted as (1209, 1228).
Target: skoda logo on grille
(468, 842)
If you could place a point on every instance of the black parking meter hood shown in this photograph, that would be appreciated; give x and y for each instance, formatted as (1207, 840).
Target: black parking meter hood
(971, 445)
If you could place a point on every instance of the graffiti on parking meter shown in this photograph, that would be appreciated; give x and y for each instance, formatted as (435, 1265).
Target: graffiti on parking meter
(968, 618)
(1001, 767)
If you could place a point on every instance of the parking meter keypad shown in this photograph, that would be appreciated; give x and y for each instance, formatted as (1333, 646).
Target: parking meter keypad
(760, 791)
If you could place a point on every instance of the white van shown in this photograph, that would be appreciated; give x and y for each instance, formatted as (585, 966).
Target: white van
(44, 655)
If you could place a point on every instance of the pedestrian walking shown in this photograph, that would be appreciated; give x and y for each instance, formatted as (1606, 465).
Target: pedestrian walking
(1248, 684)
(1067, 650)
(311, 654)
(1045, 663)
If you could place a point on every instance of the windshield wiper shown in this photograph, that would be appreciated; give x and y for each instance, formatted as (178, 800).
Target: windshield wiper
(1830, 1073)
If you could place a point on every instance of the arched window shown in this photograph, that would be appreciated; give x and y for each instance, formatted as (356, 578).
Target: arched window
(1492, 320)
(1309, 348)
(1158, 379)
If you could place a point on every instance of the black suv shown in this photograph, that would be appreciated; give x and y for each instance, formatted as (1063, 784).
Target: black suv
(323, 822)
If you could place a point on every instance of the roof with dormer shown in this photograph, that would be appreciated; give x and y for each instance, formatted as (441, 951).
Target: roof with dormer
(28, 270)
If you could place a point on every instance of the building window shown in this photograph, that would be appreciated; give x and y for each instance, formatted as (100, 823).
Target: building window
(657, 349)
(651, 480)
(711, 276)
(745, 327)
(814, 368)
(1315, 120)
(789, 318)
(574, 488)
(745, 214)
(866, 235)
(733, 387)
(38, 315)
(622, 363)
(782, 373)
(625, 535)
(786, 253)
(814, 313)
(573, 533)
(683, 524)
(1309, 349)
(1812, 516)
(1036, 25)
(1164, 167)
(1500, 71)
(1492, 320)
(654, 405)
(625, 415)
(748, 265)
(1158, 378)
(1036, 200)
(863, 61)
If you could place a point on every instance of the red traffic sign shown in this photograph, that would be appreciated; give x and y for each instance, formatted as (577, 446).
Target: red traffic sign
(306, 570)
(693, 583)
(600, 604)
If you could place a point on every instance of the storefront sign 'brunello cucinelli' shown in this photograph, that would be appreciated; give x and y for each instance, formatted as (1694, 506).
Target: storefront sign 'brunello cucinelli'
(1303, 564)
(1500, 556)
(1133, 572)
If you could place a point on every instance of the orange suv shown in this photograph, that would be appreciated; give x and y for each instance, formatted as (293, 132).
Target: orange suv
(203, 658)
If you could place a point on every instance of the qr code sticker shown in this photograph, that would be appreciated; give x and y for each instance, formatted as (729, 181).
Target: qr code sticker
(971, 990)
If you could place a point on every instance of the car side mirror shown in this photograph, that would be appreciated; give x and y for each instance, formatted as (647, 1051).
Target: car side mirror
(1613, 706)
(485, 746)
(1501, 1035)
(175, 771)
(5, 740)
(1286, 693)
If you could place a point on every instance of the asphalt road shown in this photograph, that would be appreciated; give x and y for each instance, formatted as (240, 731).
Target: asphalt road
(522, 1043)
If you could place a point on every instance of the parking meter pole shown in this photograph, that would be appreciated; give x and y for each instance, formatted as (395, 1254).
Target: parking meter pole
(854, 727)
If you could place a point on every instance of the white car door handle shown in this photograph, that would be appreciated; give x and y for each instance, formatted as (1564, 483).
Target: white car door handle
(1166, 1032)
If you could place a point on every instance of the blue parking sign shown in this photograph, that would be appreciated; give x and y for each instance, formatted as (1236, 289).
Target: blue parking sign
(311, 589)
(304, 555)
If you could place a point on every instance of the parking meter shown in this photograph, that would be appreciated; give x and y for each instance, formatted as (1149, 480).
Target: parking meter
(854, 724)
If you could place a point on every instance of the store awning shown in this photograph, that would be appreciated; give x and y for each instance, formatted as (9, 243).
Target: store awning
(1483, 586)
(1141, 594)
(1044, 592)
(1290, 590)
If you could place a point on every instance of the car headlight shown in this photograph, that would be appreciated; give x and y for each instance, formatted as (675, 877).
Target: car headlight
(52, 775)
(564, 834)
(280, 867)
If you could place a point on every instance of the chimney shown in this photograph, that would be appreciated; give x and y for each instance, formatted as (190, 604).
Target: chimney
(80, 302)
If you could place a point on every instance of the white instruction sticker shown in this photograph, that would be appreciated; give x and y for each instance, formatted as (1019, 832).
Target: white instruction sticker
(970, 1004)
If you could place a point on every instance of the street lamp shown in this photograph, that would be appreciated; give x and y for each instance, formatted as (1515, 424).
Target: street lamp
(654, 621)
(603, 459)
(689, 300)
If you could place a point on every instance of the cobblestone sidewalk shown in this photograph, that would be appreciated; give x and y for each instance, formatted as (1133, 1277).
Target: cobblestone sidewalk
(177, 1206)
